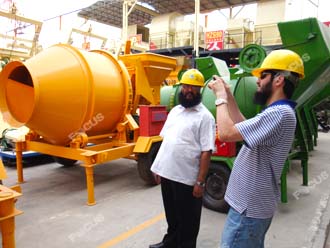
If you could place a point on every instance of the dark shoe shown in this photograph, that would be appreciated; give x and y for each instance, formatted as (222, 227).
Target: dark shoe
(158, 245)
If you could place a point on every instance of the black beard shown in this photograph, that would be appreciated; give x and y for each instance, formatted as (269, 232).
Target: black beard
(188, 103)
(261, 97)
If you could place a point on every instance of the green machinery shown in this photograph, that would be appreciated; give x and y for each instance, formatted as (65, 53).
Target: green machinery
(311, 40)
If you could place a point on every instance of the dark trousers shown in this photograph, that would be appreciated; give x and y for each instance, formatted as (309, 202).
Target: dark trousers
(183, 214)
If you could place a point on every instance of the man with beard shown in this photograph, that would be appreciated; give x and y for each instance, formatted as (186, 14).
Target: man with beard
(183, 161)
(253, 189)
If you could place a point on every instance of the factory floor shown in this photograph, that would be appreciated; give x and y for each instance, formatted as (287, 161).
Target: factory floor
(129, 214)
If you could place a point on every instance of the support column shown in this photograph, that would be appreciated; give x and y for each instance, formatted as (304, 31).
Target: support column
(19, 161)
(126, 12)
(90, 185)
(196, 34)
(304, 165)
(284, 193)
(8, 233)
(8, 212)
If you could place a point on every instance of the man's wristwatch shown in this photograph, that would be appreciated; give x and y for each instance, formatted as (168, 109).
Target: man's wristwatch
(200, 184)
(220, 101)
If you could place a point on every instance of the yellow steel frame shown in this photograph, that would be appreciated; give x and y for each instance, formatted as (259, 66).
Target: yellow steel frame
(7, 214)
(144, 143)
(90, 157)
(106, 147)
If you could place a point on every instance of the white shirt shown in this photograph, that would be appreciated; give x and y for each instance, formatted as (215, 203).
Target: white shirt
(186, 133)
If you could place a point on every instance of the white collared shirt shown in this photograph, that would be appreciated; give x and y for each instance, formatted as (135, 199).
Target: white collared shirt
(187, 132)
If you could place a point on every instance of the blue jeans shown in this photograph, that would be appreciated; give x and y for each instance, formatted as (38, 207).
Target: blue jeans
(244, 232)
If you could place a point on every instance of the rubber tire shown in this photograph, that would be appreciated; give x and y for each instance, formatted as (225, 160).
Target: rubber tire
(145, 161)
(65, 161)
(215, 187)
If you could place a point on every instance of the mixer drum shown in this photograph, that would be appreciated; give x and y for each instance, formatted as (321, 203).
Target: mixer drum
(63, 90)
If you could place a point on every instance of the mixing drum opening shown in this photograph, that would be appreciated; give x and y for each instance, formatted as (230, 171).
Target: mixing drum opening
(19, 91)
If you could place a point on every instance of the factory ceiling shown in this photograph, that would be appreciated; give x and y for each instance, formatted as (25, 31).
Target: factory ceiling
(110, 11)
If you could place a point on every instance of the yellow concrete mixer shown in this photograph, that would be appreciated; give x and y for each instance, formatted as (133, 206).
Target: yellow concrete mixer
(86, 106)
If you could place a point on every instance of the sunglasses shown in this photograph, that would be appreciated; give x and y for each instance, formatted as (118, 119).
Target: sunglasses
(188, 86)
(264, 74)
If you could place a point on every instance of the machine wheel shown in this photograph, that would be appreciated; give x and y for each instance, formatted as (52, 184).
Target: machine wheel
(215, 187)
(252, 57)
(144, 164)
(64, 161)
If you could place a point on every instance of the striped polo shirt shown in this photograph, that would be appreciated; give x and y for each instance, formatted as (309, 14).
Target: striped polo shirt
(254, 184)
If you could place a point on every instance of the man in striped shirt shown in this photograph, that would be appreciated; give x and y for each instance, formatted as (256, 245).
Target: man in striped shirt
(253, 189)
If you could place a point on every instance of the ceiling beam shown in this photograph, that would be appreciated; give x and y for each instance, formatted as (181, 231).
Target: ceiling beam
(146, 10)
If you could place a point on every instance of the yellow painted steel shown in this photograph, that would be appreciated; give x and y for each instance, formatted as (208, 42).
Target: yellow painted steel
(64, 90)
(69, 98)
(19, 146)
(7, 215)
(146, 70)
(143, 144)
(3, 174)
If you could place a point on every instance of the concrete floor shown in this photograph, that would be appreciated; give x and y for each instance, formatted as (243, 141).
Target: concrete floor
(129, 214)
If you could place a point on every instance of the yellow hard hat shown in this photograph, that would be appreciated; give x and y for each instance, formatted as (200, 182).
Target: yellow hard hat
(192, 77)
(284, 60)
